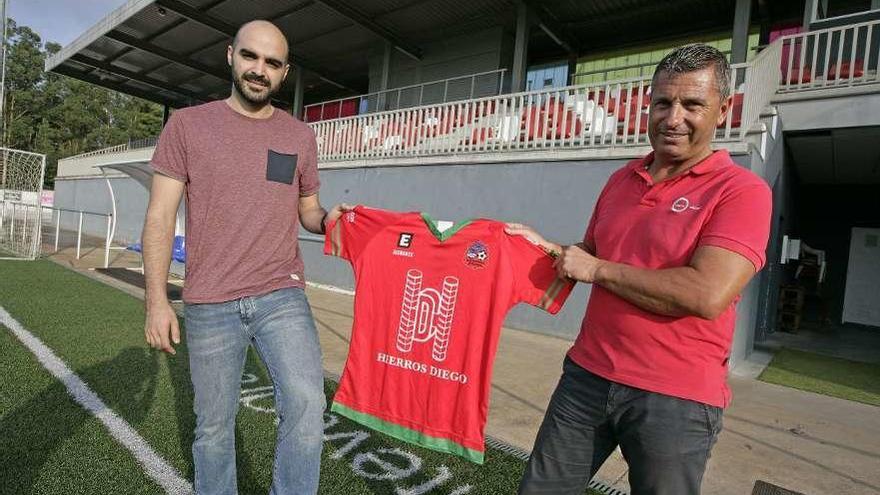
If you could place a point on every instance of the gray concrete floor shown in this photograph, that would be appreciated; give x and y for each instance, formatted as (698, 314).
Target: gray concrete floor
(798, 440)
(854, 342)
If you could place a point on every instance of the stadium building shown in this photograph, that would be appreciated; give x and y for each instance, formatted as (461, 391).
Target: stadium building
(520, 110)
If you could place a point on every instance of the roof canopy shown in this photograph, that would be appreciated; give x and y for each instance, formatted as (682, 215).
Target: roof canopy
(173, 51)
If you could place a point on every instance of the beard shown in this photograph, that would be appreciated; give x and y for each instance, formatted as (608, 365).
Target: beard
(247, 94)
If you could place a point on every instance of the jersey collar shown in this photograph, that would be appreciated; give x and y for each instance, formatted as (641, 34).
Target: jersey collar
(446, 234)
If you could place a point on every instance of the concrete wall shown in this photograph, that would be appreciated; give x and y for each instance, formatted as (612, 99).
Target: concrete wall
(823, 112)
(92, 194)
(778, 174)
(750, 303)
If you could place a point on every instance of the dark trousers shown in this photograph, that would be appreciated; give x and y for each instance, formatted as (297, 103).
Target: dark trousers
(665, 440)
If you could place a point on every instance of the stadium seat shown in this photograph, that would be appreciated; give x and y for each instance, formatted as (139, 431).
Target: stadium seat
(797, 75)
(736, 111)
(533, 123)
(637, 114)
(178, 249)
(564, 124)
(847, 70)
(136, 247)
(480, 135)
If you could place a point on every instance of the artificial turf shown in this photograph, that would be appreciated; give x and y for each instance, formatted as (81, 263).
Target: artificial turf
(51, 445)
(825, 375)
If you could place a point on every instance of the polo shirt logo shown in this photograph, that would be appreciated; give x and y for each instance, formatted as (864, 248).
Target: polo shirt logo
(681, 204)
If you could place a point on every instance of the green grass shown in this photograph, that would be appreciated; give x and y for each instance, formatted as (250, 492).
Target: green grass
(49, 444)
(825, 375)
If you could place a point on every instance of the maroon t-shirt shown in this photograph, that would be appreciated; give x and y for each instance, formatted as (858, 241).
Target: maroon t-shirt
(244, 177)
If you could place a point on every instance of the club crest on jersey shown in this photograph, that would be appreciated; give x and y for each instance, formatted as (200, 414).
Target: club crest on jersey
(477, 255)
(350, 216)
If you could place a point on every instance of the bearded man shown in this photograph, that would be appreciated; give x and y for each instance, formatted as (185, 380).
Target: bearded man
(249, 171)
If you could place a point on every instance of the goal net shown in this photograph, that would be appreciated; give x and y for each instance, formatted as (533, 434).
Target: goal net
(21, 186)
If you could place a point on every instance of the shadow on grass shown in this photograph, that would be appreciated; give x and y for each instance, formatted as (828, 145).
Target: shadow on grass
(31, 433)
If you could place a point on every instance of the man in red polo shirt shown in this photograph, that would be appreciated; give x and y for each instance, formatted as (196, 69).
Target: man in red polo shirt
(673, 240)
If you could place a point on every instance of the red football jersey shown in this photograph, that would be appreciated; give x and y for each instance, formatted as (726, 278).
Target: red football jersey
(429, 306)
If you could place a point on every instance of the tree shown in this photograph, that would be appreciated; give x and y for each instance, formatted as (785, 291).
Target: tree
(60, 116)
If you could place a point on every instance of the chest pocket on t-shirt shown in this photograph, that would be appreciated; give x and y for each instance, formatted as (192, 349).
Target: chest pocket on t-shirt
(280, 167)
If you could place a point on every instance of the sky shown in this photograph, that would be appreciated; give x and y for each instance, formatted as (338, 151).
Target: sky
(61, 21)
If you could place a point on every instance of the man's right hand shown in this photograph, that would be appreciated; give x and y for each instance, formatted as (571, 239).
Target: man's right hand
(161, 327)
(534, 237)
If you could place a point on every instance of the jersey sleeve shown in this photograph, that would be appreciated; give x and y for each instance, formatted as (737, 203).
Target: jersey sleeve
(351, 233)
(536, 281)
(741, 223)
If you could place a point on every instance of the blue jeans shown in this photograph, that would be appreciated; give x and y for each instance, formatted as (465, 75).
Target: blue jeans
(281, 328)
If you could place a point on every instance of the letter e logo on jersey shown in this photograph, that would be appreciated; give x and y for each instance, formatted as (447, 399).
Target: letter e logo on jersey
(426, 314)
(405, 240)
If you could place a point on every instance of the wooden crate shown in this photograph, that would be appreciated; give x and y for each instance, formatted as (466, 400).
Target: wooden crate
(789, 321)
(792, 296)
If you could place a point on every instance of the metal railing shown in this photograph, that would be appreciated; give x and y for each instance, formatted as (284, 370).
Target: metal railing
(119, 148)
(80, 216)
(842, 56)
(609, 114)
(439, 91)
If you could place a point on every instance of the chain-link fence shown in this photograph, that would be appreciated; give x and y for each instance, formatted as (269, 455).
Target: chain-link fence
(21, 186)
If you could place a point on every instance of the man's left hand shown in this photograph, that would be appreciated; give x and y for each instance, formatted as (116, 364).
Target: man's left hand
(336, 212)
(577, 264)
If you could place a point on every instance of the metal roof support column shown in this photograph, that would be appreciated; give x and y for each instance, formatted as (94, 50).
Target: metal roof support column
(811, 10)
(298, 92)
(386, 77)
(166, 112)
(520, 49)
(572, 68)
(742, 20)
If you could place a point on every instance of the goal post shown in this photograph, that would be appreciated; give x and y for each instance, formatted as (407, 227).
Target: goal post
(21, 187)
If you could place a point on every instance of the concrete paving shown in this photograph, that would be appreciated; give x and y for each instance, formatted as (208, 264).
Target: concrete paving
(798, 440)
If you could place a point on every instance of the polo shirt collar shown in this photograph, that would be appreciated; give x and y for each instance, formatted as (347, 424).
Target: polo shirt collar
(713, 162)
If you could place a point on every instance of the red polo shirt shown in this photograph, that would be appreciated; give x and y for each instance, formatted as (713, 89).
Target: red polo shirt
(648, 225)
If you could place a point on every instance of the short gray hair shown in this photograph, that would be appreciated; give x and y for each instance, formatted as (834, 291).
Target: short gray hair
(694, 57)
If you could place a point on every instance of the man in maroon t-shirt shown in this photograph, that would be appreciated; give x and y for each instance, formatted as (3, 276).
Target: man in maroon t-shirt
(673, 240)
(249, 172)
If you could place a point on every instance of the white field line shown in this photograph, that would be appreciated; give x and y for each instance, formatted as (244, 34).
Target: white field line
(155, 467)
(330, 288)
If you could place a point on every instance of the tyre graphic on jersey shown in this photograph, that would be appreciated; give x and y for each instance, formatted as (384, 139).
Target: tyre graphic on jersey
(426, 314)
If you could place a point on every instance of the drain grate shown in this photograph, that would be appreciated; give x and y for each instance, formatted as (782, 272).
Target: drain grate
(764, 488)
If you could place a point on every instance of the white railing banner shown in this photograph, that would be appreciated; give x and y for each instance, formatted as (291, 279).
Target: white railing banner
(761, 83)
